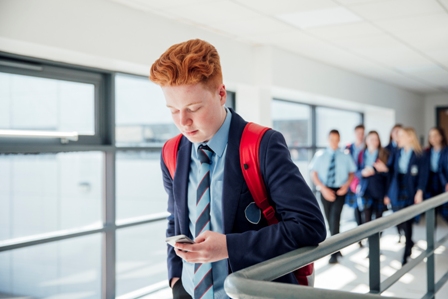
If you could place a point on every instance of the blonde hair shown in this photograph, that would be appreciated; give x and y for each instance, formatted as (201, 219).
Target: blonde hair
(414, 139)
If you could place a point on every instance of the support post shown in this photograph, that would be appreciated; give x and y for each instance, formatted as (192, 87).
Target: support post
(374, 264)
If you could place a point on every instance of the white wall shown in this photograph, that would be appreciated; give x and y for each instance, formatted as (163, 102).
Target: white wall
(104, 34)
(108, 35)
(341, 88)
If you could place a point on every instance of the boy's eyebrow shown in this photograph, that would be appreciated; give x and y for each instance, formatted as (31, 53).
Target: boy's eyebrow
(187, 105)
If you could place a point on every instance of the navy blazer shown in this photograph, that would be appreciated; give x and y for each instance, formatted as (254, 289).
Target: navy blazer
(351, 148)
(300, 219)
(375, 185)
(391, 149)
(413, 182)
(443, 162)
(443, 166)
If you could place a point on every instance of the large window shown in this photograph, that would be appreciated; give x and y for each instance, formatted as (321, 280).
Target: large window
(293, 120)
(64, 269)
(342, 120)
(49, 192)
(306, 127)
(29, 102)
(142, 117)
(82, 217)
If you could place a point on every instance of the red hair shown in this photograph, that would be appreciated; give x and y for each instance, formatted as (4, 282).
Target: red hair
(191, 62)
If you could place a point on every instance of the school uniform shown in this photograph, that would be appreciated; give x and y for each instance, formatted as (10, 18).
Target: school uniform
(392, 147)
(443, 175)
(351, 199)
(436, 179)
(372, 189)
(407, 175)
(233, 212)
(343, 166)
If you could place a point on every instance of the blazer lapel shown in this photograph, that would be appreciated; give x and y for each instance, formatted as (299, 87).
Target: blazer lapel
(180, 185)
(233, 178)
(411, 162)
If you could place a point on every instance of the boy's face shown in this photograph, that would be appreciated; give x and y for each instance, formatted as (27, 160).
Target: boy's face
(359, 135)
(333, 141)
(197, 112)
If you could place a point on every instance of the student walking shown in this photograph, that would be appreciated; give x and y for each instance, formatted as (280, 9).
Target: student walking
(391, 148)
(373, 177)
(407, 180)
(444, 172)
(354, 149)
(332, 171)
(434, 157)
(437, 161)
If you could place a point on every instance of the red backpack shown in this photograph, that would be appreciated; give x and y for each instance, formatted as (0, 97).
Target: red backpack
(250, 166)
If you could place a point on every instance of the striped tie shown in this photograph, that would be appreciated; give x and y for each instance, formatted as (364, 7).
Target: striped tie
(331, 178)
(203, 277)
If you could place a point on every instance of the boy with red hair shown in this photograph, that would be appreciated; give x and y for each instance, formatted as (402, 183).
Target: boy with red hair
(208, 199)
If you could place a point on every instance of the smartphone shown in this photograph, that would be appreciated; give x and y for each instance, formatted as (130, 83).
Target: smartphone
(179, 239)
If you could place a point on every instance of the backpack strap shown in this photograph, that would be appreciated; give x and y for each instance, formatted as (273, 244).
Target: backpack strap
(169, 153)
(250, 167)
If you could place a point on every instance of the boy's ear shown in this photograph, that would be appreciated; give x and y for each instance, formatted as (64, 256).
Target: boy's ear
(222, 90)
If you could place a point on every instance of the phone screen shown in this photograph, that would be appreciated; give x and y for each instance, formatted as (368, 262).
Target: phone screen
(179, 239)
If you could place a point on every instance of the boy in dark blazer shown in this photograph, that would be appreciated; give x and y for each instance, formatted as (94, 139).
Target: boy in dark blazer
(236, 234)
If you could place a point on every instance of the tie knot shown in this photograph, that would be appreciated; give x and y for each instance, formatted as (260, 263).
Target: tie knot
(205, 154)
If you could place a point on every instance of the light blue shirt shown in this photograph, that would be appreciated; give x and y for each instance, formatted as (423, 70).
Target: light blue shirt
(218, 144)
(403, 162)
(435, 156)
(370, 158)
(356, 151)
(344, 165)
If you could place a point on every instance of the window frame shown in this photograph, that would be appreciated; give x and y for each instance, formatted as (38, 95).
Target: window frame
(313, 148)
(103, 141)
(33, 67)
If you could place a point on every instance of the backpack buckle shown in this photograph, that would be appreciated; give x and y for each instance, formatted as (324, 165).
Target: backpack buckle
(269, 213)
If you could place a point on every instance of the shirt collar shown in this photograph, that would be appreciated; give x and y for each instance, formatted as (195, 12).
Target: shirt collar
(434, 151)
(332, 151)
(359, 147)
(374, 153)
(407, 153)
(219, 140)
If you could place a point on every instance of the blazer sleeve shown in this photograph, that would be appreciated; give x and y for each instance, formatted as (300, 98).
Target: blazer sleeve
(424, 166)
(393, 156)
(444, 167)
(174, 262)
(300, 219)
(359, 168)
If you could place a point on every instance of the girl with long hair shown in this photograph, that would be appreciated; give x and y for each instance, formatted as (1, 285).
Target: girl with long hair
(436, 160)
(372, 173)
(408, 178)
(434, 157)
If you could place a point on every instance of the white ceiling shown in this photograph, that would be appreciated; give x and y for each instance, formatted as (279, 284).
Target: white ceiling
(401, 42)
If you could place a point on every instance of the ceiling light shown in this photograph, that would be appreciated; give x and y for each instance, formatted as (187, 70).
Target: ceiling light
(321, 17)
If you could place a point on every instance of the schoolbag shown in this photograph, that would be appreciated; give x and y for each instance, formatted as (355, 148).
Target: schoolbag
(250, 167)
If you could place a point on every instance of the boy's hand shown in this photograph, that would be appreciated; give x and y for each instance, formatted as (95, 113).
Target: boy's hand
(209, 247)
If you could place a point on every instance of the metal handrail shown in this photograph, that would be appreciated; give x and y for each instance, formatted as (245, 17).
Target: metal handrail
(60, 235)
(254, 281)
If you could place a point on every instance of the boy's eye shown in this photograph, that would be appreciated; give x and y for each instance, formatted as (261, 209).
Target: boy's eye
(194, 109)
